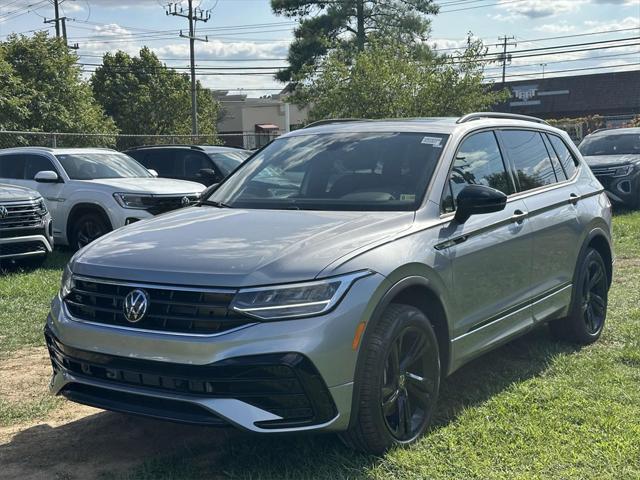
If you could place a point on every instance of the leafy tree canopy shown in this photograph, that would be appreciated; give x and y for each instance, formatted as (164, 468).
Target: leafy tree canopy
(386, 81)
(145, 97)
(350, 25)
(41, 88)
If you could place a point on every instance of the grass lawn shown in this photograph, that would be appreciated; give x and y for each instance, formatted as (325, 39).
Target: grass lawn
(536, 408)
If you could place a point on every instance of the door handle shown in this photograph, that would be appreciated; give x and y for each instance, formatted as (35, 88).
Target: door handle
(574, 199)
(518, 216)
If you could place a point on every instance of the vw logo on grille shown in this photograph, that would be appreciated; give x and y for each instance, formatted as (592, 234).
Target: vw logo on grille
(185, 201)
(4, 213)
(136, 304)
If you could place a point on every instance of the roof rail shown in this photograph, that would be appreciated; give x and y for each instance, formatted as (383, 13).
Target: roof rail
(513, 116)
(335, 120)
(193, 147)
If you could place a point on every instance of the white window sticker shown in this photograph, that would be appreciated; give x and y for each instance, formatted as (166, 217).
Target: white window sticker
(406, 197)
(435, 141)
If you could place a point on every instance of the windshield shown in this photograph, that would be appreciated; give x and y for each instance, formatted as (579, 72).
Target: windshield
(227, 162)
(93, 166)
(350, 171)
(614, 144)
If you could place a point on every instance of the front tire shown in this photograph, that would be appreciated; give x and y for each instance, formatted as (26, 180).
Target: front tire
(588, 310)
(398, 383)
(86, 229)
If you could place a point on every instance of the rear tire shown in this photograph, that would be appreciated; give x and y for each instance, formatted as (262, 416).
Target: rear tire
(588, 310)
(87, 228)
(398, 383)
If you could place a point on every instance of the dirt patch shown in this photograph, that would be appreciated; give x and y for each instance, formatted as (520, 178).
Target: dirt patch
(79, 442)
(25, 375)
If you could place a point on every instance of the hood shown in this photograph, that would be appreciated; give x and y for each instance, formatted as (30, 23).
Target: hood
(611, 160)
(160, 186)
(12, 193)
(234, 247)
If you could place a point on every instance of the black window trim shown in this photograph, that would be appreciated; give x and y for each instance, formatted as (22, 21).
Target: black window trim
(455, 155)
(576, 162)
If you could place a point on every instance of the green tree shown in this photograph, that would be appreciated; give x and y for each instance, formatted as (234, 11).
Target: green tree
(386, 81)
(41, 88)
(350, 25)
(145, 97)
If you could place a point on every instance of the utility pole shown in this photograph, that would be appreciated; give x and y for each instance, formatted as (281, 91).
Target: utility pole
(543, 65)
(505, 58)
(193, 15)
(58, 20)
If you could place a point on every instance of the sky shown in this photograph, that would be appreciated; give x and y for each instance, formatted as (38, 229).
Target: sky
(246, 34)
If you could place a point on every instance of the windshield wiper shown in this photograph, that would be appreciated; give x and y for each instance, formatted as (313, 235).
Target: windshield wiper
(211, 203)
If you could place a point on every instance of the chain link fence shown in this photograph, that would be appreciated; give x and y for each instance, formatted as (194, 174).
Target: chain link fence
(248, 140)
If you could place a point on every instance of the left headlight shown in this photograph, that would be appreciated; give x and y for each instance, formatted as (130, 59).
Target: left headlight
(134, 200)
(298, 300)
(67, 283)
(623, 171)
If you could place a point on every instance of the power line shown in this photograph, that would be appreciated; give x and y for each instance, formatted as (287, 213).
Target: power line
(573, 70)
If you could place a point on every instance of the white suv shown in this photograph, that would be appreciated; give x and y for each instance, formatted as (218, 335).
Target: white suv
(91, 191)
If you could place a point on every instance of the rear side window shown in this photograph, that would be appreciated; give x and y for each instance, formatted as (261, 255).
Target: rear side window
(12, 166)
(530, 158)
(564, 155)
(166, 162)
(478, 162)
(560, 175)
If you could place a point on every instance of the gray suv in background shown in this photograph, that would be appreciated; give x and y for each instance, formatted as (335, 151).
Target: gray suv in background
(337, 276)
(26, 232)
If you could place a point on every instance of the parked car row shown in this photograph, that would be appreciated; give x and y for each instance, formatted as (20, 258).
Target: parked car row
(75, 195)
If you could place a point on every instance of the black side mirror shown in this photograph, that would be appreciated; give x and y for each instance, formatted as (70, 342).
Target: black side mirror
(478, 199)
(208, 191)
(208, 173)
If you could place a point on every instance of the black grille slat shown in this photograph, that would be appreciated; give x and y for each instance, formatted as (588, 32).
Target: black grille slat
(170, 309)
(11, 249)
(23, 215)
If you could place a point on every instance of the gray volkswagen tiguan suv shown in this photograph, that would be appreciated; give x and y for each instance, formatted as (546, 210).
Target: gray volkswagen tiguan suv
(333, 280)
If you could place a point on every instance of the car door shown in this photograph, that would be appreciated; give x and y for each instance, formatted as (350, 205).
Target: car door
(550, 199)
(490, 254)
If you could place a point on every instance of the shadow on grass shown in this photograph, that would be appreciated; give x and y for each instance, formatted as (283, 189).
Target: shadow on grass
(55, 261)
(109, 445)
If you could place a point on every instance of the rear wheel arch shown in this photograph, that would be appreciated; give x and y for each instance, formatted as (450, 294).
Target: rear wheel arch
(599, 242)
(416, 291)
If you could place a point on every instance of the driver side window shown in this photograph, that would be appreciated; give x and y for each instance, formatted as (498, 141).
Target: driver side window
(478, 162)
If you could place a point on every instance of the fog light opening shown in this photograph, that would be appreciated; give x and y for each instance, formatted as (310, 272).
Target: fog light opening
(625, 187)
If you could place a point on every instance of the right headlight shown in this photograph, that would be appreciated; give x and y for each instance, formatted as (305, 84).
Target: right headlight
(280, 302)
(67, 283)
(623, 171)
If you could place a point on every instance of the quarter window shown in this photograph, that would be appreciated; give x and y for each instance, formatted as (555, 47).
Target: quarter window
(530, 158)
(478, 162)
(564, 155)
(35, 164)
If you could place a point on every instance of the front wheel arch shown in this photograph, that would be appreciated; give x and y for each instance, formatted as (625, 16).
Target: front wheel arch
(81, 209)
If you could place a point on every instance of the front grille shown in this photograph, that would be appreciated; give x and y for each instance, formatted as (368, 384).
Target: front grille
(162, 204)
(23, 214)
(285, 384)
(12, 249)
(170, 309)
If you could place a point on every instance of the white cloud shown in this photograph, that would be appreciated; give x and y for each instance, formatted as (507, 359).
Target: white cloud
(536, 8)
(559, 27)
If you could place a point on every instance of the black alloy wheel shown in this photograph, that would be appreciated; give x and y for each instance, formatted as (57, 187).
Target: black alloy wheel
(407, 386)
(594, 296)
(88, 228)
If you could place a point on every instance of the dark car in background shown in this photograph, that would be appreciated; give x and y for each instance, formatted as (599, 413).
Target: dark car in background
(614, 158)
(203, 164)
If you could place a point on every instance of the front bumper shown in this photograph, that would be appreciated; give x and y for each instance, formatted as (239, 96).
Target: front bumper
(622, 190)
(186, 378)
(26, 246)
